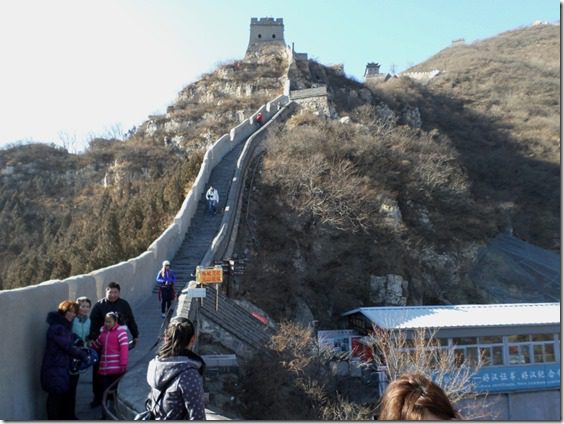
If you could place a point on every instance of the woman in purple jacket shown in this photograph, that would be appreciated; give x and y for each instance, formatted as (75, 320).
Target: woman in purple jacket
(166, 280)
(57, 360)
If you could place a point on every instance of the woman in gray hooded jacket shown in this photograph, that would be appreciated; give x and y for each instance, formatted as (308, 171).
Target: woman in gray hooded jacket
(178, 371)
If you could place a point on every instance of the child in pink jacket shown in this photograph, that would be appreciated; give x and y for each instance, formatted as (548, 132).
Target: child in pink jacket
(113, 349)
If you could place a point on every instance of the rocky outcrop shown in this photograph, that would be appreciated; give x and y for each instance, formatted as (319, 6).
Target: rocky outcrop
(390, 290)
(221, 99)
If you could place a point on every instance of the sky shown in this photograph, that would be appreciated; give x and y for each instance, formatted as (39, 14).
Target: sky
(73, 70)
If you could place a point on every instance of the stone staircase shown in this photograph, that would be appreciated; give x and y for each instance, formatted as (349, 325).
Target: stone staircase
(246, 333)
(203, 228)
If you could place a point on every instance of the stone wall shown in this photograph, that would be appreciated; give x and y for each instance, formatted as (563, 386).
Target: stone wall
(422, 76)
(315, 100)
(24, 310)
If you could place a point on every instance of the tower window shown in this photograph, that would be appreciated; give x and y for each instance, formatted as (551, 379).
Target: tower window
(260, 36)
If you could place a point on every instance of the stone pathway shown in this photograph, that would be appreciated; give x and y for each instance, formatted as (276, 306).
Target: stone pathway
(133, 388)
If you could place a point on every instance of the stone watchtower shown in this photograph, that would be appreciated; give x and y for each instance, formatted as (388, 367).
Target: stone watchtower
(266, 30)
(372, 70)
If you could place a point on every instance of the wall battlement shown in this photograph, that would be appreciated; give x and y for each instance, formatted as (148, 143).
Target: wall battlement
(267, 21)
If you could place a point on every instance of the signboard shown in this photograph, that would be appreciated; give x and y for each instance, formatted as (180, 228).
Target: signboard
(209, 275)
(494, 379)
(507, 379)
(339, 340)
(196, 292)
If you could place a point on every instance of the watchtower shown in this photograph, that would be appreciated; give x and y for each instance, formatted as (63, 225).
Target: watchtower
(372, 70)
(266, 30)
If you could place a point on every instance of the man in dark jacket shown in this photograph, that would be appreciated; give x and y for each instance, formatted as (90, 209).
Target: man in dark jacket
(111, 303)
(59, 351)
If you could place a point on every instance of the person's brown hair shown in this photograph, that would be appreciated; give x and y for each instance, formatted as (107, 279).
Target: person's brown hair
(177, 336)
(411, 395)
(66, 305)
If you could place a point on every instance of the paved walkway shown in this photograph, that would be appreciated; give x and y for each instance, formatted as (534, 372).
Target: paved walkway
(133, 387)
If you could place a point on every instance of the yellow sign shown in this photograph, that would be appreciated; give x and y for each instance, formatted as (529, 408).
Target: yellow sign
(209, 275)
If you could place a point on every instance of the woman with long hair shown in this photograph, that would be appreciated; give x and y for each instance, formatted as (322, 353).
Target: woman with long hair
(415, 397)
(178, 372)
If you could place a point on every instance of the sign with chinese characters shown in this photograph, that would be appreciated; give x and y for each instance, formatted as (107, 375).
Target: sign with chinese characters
(501, 379)
(212, 275)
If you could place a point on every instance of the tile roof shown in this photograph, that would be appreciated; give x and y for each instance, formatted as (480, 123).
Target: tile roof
(445, 316)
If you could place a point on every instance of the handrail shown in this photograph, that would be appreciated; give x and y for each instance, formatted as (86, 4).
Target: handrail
(110, 391)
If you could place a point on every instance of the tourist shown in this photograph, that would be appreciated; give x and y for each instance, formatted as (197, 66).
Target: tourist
(178, 372)
(110, 303)
(166, 280)
(213, 200)
(81, 324)
(80, 327)
(415, 397)
(113, 348)
(60, 349)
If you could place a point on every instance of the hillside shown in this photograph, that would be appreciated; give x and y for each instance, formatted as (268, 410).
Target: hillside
(391, 204)
(391, 209)
(65, 214)
(509, 90)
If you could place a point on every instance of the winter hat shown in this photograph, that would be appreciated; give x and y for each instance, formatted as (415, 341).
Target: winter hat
(165, 263)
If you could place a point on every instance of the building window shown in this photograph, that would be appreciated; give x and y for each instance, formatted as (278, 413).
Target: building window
(485, 349)
(518, 338)
(526, 349)
(519, 354)
(543, 352)
(542, 337)
(260, 36)
(273, 35)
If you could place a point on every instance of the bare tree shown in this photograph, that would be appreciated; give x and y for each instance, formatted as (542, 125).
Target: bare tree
(303, 371)
(329, 189)
(422, 353)
(68, 141)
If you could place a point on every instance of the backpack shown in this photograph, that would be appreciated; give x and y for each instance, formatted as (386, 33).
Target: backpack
(149, 413)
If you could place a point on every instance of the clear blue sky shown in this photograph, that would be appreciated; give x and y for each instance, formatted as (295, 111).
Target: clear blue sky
(73, 69)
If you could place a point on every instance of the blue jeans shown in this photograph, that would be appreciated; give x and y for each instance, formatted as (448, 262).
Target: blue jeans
(212, 206)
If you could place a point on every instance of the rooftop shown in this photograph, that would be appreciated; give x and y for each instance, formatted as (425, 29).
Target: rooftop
(450, 316)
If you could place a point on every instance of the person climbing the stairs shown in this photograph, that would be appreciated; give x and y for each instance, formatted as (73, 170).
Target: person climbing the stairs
(166, 280)
(213, 200)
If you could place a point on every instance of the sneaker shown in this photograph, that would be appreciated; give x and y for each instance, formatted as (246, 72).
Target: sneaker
(163, 315)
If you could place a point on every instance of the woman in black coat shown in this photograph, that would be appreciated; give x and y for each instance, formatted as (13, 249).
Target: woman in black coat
(59, 351)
